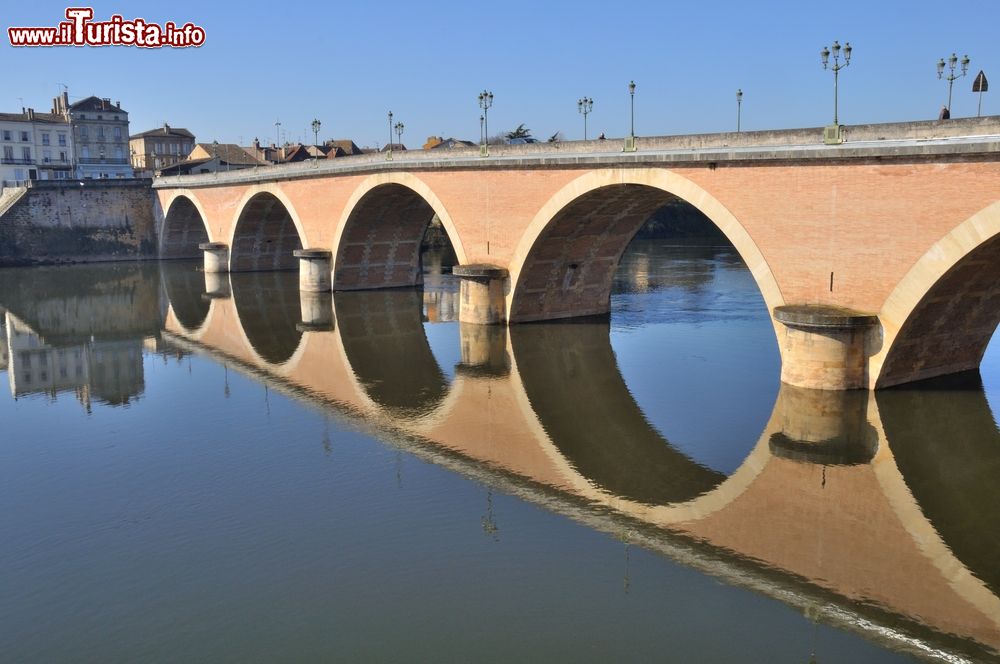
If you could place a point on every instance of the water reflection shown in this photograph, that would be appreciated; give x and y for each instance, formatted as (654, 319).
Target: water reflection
(945, 442)
(383, 339)
(875, 513)
(574, 386)
(268, 307)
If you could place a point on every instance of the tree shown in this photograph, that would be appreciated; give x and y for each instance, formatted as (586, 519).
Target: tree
(520, 132)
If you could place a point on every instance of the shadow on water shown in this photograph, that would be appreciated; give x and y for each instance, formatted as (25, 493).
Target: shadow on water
(383, 336)
(946, 444)
(572, 380)
(268, 307)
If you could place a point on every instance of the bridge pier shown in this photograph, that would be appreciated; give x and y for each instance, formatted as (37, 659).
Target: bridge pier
(481, 294)
(317, 311)
(823, 426)
(216, 256)
(315, 267)
(825, 347)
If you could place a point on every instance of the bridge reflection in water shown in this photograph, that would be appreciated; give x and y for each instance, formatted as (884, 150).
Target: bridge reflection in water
(863, 511)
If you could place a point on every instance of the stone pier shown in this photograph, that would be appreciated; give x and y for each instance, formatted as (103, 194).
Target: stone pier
(482, 299)
(823, 347)
(216, 256)
(314, 269)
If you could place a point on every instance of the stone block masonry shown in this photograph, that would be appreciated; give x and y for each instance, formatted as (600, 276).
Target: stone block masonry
(78, 221)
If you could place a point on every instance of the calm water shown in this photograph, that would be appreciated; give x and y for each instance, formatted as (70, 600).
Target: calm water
(199, 469)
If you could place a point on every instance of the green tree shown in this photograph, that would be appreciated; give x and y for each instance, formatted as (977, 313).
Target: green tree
(520, 132)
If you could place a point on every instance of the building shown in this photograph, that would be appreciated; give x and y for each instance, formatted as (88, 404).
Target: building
(100, 136)
(34, 146)
(213, 157)
(159, 148)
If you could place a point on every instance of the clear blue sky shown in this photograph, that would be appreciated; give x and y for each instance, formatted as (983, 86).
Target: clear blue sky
(347, 62)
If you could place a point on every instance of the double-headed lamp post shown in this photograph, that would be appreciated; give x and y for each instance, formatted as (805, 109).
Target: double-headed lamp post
(739, 108)
(399, 126)
(952, 61)
(485, 103)
(585, 105)
(837, 66)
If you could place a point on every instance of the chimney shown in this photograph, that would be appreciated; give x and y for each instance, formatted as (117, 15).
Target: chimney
(256, 144)
(118, 104)
(31, 114)
(166, 128)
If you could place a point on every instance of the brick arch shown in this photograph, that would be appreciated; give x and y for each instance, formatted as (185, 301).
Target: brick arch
(941, 316)
(377, 240)
(266, 232)
(185, 226)
(565, 262)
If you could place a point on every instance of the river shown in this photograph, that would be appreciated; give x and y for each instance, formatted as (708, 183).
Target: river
(196, 468)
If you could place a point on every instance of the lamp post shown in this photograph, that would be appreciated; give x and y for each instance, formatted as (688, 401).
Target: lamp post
(388, 154)
(739, 108)
(585, 105)
(316, 124)
(485, 102)
(277, 133)
(215, 155)
(837, 66)
(952, 61)
(630, 141)
(481, 128)
(399, 126)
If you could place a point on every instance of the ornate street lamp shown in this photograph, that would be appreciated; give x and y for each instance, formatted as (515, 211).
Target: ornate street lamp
(399, 126)
(485, 103)
(481, 128)
(832, 135)
(388, 154)
(316, 124)
(630, 141)
(952, 61)
(585, 105)
(837, 66)
(739, 108)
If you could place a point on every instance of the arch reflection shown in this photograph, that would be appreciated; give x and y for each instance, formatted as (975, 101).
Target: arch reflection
(946, 444)
(267, 304)
(383, 338)
(571, 377)
(184, 285)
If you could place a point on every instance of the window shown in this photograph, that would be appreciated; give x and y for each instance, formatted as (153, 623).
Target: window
(62, 138)
(100, 117)
(83, 117)
(8, 152)
(26, 153)
(83, 132)
(24, 137)
(47, 156)
(118, 132)
(100, 132)
(119, 154)
(173, 148)
(45, 138)
(62, 156)
(85, 152)
(6, 135)
(159, 148)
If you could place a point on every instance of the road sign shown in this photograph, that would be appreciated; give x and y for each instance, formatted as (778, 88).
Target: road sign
(980, 84)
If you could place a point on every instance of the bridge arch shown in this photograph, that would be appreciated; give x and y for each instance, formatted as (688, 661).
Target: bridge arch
(185, 226)
(265, 232)
(377, 240)
(566, 260)
(941, 316)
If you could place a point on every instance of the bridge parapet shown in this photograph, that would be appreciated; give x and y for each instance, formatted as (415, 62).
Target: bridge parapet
(900, 139)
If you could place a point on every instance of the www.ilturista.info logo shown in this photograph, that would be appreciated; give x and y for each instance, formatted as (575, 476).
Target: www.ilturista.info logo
(81, 30)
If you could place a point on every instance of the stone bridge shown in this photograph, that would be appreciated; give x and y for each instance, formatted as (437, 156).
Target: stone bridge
(878, 258)
(844, 500)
